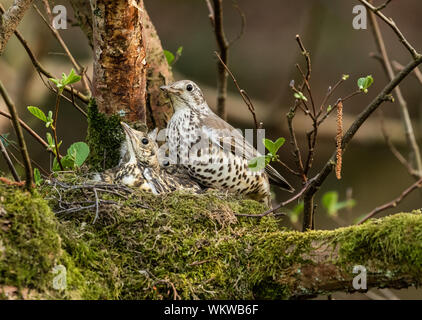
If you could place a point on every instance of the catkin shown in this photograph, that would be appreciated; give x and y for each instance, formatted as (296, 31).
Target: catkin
(339, 138)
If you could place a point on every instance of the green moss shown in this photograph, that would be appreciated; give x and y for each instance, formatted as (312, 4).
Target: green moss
(29, 240)
(104, 138)
(191, 246)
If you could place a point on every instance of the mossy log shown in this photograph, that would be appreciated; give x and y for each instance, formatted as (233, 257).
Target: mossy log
(191, 247)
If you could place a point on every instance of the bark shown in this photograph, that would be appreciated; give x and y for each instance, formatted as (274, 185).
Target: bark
(119, 58)
(10, 20)
(155, 73)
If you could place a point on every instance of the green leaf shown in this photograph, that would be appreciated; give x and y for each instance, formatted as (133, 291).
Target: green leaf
(299, 95)
(37, 177)
(348, 204)
(179, 51)
(37, 112)
(50, 139)
(345, 77)
(365, 83)
(67, 161)
(258, 163)
(278, 144)
(296, 211)
(169, 56)
(273, 147)
(78, 151)
(269, 145)
(329, 108)
(329, 201)
(71, 78)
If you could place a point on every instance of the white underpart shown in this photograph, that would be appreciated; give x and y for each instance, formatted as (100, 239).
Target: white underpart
(148, 177)
(129, 180)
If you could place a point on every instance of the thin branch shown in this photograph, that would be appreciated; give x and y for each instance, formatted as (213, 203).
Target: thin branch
(396, 152)
(242, 92)
(54, 128)
(407, 123)
(393, 26)
(385, 4)
(393, 203)
(243, 23)
(362, 117)
(21, 139)
(8, 161)
(399, 67)
(223, 47)
(79, 69)
(27, 128)
(282, 204)
(37, 65)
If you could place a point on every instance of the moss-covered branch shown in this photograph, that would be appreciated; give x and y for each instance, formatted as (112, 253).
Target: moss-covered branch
(192, 246)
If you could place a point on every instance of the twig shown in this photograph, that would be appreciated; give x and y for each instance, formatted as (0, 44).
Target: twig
(242, 92)
(28, 129)
(393, 203)
(216, 18)
(19, 134)
(396, 152)
(96, 205)
(8, 161)
(54, 128)
(243, 23)
(37, 65)
(393, 26)
(385, 4)
(57, 35)
(399, 67)
(282, 204)
(407, 123)
(362, 117)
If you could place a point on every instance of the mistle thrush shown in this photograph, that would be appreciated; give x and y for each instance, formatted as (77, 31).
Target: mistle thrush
(139, 167)
(213, 152)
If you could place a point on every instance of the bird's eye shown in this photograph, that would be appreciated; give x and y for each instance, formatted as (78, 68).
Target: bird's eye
(189, 87)
(166, 163)
(145, 141)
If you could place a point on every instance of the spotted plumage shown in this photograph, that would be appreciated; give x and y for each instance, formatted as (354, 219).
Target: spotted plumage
(140, 167)
(212, 151)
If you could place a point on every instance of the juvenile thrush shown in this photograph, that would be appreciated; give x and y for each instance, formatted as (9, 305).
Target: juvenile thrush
(140, 167)
(213, 152)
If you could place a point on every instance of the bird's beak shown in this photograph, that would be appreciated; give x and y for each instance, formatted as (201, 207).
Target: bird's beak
(127, 129)
(169, 89)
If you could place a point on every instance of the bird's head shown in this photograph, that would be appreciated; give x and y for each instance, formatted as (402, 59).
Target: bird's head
(185, 94)
(139, 147)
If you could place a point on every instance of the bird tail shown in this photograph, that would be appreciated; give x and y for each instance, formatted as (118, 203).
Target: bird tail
(276, 179)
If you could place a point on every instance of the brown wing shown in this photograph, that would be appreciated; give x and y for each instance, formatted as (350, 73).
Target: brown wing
(228, 138)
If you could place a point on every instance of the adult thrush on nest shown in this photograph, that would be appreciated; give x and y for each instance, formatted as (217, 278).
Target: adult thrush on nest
(213, 152)
(139, 167)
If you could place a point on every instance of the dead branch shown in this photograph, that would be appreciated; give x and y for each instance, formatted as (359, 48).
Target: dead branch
(242, 92)
(407, 123)
(79, 69)
(8, 161)
(393, 203)
(21, 139)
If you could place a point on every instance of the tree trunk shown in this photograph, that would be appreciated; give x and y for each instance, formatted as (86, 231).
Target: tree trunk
(129, 63)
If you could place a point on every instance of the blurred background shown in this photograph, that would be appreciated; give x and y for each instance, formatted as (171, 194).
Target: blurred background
(263, 61)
